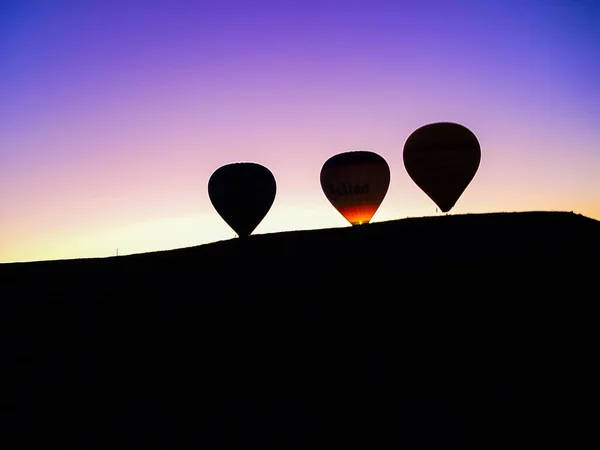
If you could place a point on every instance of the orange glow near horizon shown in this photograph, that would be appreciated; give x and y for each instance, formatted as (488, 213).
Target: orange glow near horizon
(358, 215)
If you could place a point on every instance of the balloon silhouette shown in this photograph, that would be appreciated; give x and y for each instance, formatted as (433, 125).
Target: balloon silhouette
(442, 159)
(355, 183)
(242, 193)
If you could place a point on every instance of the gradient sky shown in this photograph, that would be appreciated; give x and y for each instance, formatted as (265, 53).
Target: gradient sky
(114, 113)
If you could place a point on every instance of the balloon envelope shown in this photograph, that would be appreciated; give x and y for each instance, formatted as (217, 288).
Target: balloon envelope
(442, 159)
(242, 193)
(355, 183)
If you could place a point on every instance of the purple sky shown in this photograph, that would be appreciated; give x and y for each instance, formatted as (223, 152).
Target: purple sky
(114, 114)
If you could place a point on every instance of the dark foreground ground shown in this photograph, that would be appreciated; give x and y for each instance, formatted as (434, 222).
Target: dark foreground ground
(449, 332)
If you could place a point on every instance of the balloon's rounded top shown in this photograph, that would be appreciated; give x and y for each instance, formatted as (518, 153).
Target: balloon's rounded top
(249, 165)
(242, 193)
(355, 182)
(442, 159)
(448, 133)
(352, 157)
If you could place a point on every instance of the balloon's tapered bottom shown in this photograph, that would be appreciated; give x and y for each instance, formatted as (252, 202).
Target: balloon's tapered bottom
(359, 215)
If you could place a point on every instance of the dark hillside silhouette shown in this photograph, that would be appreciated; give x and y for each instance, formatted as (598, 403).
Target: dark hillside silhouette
(459, 331)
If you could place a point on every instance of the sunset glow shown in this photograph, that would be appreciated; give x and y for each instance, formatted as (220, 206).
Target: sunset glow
(114, 114)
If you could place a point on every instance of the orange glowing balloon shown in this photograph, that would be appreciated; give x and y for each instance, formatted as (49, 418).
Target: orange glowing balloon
(355, 183)
(442, 159)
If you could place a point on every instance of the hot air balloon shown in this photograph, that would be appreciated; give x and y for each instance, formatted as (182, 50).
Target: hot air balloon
(442, 159)
(242, 193)
(355, 183)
